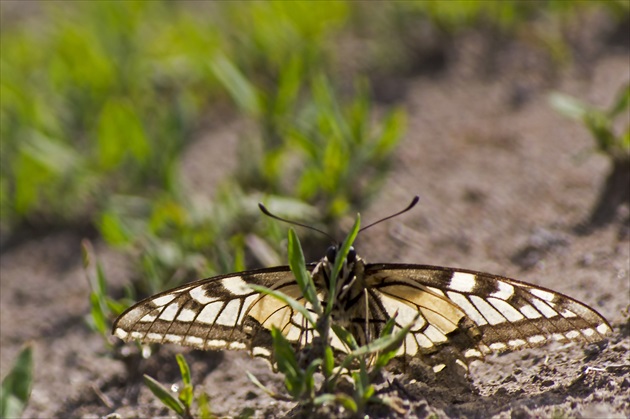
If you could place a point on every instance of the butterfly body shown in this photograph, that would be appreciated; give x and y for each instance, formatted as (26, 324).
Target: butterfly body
(470, 313)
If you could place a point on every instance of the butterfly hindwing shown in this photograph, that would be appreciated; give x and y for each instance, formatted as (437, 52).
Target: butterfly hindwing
(477, 313)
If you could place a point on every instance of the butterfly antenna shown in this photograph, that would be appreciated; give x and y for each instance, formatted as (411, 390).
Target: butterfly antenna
(269, 214)
(413, 203)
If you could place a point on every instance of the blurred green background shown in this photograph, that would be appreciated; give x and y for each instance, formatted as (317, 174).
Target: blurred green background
(101, 99)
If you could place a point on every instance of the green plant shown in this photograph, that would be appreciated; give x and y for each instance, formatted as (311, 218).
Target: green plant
(82, 116)
(103, 308)
(611, 141)
(16, 386)
(313, 138)
(362, 363)
(183, 404)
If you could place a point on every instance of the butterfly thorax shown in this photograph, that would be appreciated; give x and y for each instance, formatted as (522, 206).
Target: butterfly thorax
(351, 294)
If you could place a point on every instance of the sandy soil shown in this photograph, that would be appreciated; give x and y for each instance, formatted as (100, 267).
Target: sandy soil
(503, 181)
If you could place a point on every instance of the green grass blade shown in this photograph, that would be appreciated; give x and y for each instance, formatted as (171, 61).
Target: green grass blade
(298, 267)
(98, 316)
(184, 369)
(286, 360)
(242, 91)
(345, 336)
(340, 259)
(164, 395)
(329, 361)
(294, 304)
(16, 386)
(260, 385)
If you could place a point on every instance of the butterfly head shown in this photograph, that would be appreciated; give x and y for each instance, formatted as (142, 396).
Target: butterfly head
(333, 251)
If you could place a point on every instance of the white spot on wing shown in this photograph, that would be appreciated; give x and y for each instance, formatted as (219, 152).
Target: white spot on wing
(406, 314)
(186, 315)
(160, 301)
(170, 312)
(260, 351)
(490, 314)
(530, 312)
(462, 281)
(461, 364)
(210, 312)
(236, 285)
(544, 308)
(505, 291)
(230, 314)
(515, 343)
(423, 340)
(536, 339)
(248, 301)
(463, 303)
(194, 340)
(545, 295)
(137, 335)
(568, 313)
(155, 336)
(438, 368)
(498, 346)
(411, 347)
(293, 334)
(473, 353)
(121, 333)
(237, 345)
(588, 332)
(603, 329)
(149, 318)
(199, 295)
(506, 309)
(173, 338)
(216, 343)
(434, 334)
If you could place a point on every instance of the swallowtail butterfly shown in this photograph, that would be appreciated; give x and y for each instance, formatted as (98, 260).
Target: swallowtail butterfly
(470, 313)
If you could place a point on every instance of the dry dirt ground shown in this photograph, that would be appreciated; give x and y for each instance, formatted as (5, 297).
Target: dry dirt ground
(503, 181)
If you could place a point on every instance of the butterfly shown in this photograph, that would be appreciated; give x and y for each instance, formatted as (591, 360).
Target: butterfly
(464, 313)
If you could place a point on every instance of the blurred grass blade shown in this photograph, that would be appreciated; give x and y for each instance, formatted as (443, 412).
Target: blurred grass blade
(204, 407)
(98, 316)
(16, 386)
(568, 106)
(241, 90)
(164, 395)
(622, 103)
(286, 360)
(298, 267)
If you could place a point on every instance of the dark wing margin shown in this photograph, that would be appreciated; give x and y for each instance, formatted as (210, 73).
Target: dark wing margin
(222, 312)
(477, 313)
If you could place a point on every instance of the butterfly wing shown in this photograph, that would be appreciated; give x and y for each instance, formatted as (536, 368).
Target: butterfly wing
(222, 312)
(477, 313)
